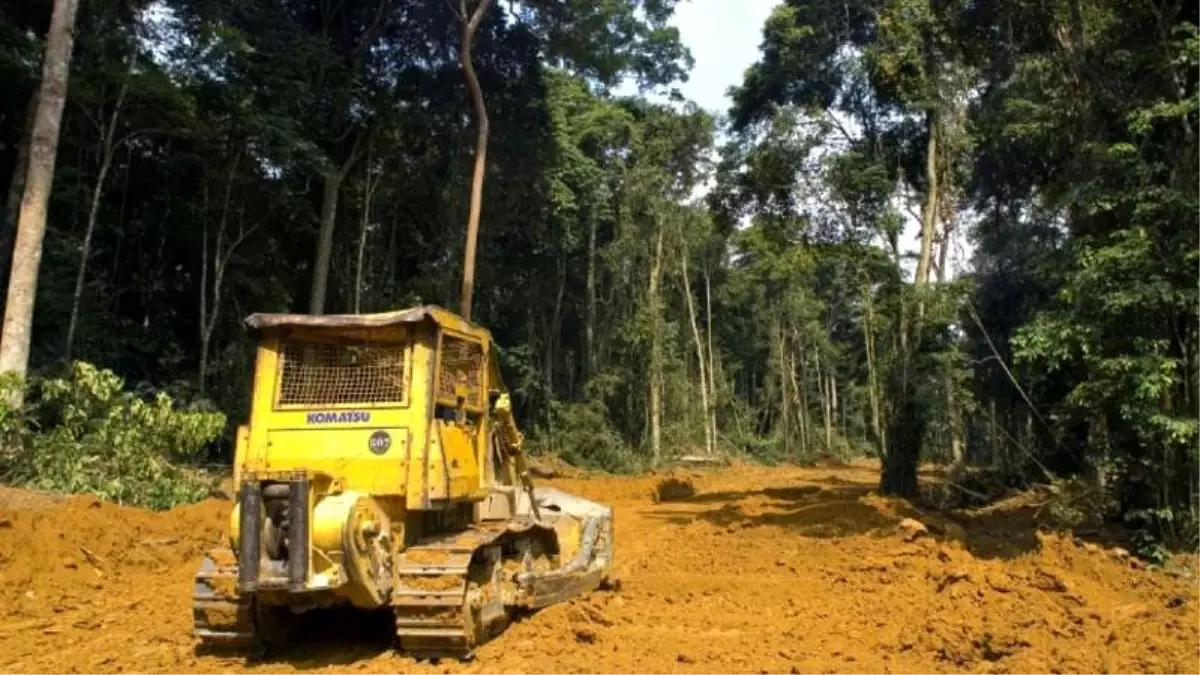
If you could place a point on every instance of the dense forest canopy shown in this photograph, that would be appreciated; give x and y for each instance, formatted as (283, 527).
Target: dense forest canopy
(217, 159)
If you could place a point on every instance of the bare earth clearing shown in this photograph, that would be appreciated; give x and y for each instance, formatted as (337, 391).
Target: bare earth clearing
(761, 570)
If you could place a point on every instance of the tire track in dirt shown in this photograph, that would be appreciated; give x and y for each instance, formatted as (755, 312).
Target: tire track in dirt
(761, 570)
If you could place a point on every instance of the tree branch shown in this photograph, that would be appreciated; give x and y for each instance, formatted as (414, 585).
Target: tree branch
(372, 33)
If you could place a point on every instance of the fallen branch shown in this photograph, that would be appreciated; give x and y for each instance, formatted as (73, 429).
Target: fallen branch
(977, 495)
(92, 558)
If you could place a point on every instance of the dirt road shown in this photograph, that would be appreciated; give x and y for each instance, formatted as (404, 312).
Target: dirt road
(761, 570)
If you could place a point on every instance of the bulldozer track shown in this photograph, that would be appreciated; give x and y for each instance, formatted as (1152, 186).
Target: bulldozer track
(221, 619)
(436, 604)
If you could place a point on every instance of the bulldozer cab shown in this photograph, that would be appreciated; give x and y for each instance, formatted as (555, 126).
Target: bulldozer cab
(394, 403)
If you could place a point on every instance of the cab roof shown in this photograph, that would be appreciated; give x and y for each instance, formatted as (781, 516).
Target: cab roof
(444, 318)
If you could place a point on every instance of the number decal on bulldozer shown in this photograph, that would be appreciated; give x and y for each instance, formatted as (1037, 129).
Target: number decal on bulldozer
(379, 442)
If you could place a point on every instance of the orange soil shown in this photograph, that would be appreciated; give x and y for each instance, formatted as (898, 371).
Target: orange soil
(760, 570)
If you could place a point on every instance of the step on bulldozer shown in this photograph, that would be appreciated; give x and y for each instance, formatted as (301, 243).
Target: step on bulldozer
(381, 468)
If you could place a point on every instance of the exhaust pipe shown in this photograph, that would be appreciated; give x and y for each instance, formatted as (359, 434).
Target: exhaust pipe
(250, 539)
(298, 534)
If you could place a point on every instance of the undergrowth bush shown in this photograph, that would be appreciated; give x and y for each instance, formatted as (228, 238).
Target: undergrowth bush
(582, 436)
(771, 450)
(85, 433)
(1076, 502)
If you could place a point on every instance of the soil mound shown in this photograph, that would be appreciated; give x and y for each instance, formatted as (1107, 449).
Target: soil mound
(673, 489)
(49, 544)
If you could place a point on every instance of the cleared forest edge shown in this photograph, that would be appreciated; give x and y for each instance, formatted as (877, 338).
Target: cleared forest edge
(752, 570)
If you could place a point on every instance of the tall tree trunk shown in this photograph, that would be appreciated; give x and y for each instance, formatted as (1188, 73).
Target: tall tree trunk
(952, 419)
(826, 407)
(993, 434)
(108, 149)
(202, 366)
(953, 422)
(700, 361)
(906, 420)
(930, 211)
(833, 402)
(553, 331)
(787, 373)
(903, 453)
(1075, 18)
(369, 186)
(1099, 451)
(16, 187)
(361, 255)
(944, 250)
(589, 327)
(1190, 348)
(329, 204)
(712, 370)
(390, 274)
(656, 374)
(39, 181)
(801, 399)
(332, 181)
(470, 25)
(873, 389)
(223, 250)
(905, 429)
(1192, 386)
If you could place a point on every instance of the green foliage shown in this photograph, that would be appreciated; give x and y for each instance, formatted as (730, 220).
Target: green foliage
(581, 434)
(1065, 148)
(1109, 123)
(1077, 501)
(85, 434)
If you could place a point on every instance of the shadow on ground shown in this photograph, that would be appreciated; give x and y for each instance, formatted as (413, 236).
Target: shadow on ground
(332, 638)
(325, 638)
(1003, 534)
(827, 508)
(833, 507)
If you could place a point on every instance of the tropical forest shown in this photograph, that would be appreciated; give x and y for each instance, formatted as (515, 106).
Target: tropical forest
(948, 248)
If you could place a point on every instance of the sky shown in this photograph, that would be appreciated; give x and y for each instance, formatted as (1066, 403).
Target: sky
(723, 36)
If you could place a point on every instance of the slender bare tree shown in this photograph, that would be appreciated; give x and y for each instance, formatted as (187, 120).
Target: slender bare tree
(31, 223)
(470, 24)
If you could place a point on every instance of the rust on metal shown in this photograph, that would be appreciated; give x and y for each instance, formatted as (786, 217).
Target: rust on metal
(438, 315)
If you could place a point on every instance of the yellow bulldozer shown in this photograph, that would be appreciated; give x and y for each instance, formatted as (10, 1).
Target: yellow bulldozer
(381, 468)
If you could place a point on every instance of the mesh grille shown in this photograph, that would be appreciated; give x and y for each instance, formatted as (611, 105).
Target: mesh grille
(462, 364)
(318, 373)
